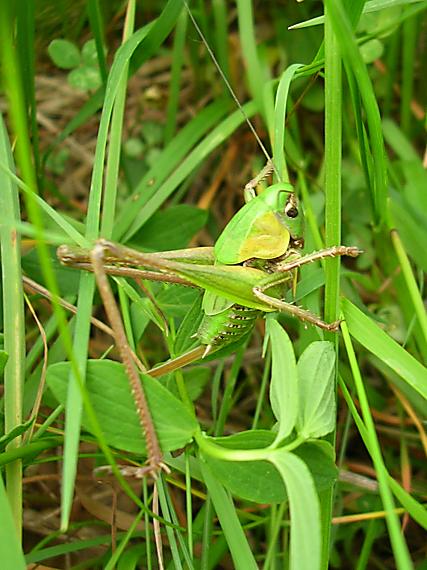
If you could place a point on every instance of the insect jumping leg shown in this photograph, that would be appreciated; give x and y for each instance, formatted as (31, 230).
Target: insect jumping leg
(154, 460)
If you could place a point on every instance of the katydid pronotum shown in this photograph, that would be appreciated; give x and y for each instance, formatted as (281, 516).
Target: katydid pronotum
(253, 263)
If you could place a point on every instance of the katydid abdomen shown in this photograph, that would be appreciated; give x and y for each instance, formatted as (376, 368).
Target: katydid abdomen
(227, 326)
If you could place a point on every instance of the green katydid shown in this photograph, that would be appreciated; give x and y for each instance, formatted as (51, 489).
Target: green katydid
(259, 250)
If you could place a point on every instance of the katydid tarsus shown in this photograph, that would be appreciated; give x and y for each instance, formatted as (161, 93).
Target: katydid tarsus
(245, 275)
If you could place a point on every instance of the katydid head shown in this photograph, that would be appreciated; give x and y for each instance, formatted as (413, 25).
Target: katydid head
(293, 220)
(264, 228)
(288, 211)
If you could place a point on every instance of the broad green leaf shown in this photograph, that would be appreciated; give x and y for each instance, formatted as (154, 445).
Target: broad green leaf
(67, 278)
(316, 377)
(64, 53)
(284, 379)
(305, 540)
(246, 479)
(188, 327)
(369, 334)
(89, 54)
(175, 301)
(372, 50)
(108, 389)
(11, 554)
(85, 78)
(195, 380)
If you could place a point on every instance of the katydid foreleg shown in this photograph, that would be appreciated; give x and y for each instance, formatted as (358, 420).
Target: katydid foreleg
(249, 190)
(288, 265)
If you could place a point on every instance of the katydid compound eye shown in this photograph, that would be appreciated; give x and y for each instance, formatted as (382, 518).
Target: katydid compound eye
(291, 212)
(291, 208)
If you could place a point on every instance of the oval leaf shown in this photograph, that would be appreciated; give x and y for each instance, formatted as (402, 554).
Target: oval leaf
(64, 54)
(247, 479)
(316, 373)
(108, 389)
(284, 379)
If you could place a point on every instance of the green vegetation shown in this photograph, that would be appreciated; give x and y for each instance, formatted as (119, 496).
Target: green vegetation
(293, 446)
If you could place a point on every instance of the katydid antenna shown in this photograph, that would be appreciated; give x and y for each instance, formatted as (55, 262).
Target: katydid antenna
(231, 90)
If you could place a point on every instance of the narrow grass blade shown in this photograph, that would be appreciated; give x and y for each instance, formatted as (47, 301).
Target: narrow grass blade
(399, 546)
(353, 58)
(305, 543)
(369, 334)
(414, 508)
(280, 120)
(256, 74)
(176, 71)
(11, 554)
(240, 550)
(13, 324)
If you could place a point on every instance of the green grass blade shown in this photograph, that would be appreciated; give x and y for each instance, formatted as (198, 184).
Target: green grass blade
(306, 531)
(87, 283)
(411, 283)
(13, 325)
(25, 43)
(240, 550)
(258, 82)
(132, 215)
(67, 228)
(398, 543)
(351, 54)
(219, 8)
(11, 555)
(409, 43)
(280, 120)
(414, 508)
(333, 152)
(196, 157)
(114, 146)
(333, 174)
(369, 334)
(95, 19)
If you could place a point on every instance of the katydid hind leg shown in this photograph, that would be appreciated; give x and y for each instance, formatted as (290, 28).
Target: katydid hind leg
(298, 312)
(154, 460)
